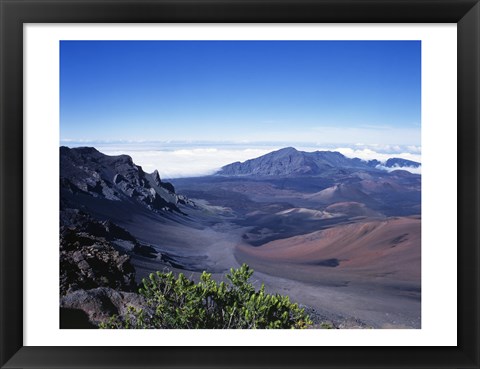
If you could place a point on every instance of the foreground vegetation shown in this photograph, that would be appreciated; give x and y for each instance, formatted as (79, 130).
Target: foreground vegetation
(178, 302)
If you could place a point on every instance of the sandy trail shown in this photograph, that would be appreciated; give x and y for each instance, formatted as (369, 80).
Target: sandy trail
(186, 249)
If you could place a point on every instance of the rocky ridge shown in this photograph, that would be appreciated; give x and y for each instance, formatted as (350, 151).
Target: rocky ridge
(291, 162)
(401, 163)
(85, 170)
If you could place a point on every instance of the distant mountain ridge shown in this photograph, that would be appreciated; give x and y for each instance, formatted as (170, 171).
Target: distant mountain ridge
(292, 162)
(401, 163)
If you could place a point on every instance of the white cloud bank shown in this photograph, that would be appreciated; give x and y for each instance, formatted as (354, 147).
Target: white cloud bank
(369, 154)
(188, 162)
(191, 160)
(396, 167)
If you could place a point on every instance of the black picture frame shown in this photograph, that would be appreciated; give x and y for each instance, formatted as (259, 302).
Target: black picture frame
(14, 13)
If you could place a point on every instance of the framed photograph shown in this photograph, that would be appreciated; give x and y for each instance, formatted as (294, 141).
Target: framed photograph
(225, 184)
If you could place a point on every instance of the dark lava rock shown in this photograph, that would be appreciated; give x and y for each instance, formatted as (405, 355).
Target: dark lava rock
(147, 251)
(88, 259)
(88, 262)
(79, 221)
(88, 308)
(86, 171)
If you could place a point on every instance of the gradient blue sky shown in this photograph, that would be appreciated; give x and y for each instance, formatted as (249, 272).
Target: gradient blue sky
(304, 91)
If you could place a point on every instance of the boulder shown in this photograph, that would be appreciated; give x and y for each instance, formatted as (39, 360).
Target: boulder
(89, 308)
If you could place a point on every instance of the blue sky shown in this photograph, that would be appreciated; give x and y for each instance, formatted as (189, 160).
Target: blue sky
(243, 91)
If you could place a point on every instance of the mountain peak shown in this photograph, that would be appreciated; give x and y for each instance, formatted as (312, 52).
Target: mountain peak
(291, 162)
(399, 162)
(286, 150)
(156, 177)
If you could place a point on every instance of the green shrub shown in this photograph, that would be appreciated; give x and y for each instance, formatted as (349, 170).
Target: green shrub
(181, 303)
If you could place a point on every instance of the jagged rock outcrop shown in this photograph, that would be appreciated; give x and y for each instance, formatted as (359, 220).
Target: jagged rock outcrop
(85, 170)
(87, 261)
(90, 255)
(78, 221)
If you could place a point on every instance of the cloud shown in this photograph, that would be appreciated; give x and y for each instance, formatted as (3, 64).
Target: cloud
(384, 153)
(408, 169)
(187, 162)
(182, 159)
(369, 154)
